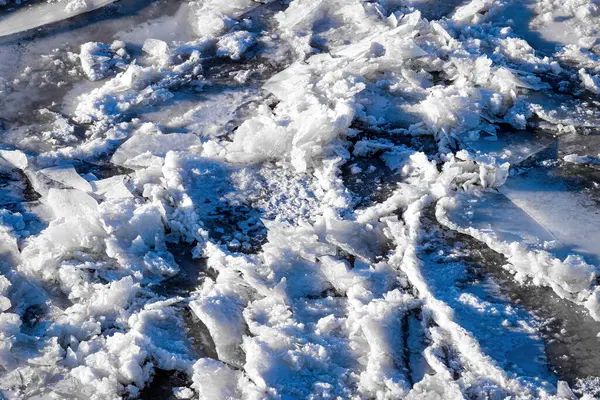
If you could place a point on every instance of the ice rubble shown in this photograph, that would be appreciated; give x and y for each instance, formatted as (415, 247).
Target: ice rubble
(316, 310)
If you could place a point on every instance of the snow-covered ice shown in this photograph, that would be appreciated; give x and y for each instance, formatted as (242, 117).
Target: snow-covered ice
(299, 199)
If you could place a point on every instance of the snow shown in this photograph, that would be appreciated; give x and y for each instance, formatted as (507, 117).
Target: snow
(297, 199)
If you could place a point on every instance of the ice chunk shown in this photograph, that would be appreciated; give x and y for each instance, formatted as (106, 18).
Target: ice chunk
(577, 159)
(570, 216)
(235, 44)
(10, 325)
(158, 51)
(220, 308)
(590, 82)
(5, 303)
(70, 203)
(160, 324)
(99, 59)
(135, 87)
(134, 151)
(114, 297)
(68, 176)
(395, 43)
(564, 391)
(212, 17)
(15, 157)
(525, 242)
(354, 238)
(514, 147)
(286, 83)
(259, 139)
(215, 380)
(470, 9)
(512, 225)
(111, 188)
(45, 13)
(183, 393)
(338, 273)
(75, 5)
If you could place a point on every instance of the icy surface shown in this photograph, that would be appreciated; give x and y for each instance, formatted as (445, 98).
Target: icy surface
(301, 199)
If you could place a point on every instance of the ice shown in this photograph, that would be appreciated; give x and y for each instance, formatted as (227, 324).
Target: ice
(514, 147)
(220, 308)
(215, 116)
(215, 380)
(590, 82)
(5, 303)
(565, 391)
(296, 140)
(515, 225)
(99, 59)
(48, 13)
(576, 159)
(302, 199)
(235, 44)
(469, 10)
(68, 176)
(568, 216)
(112, 188)
(353, 238)
(158, 51)
(15, 157)
(136, 87)
(569, 22)
(211, 18)
(533, 251)
(68, 203)
(148, 148)
(339, 273)
(183, 393)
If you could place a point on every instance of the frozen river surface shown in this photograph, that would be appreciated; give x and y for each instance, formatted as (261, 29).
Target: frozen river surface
(299, 199)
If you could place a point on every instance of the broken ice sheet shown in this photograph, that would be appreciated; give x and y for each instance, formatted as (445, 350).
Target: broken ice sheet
(512, 225)
(552, 209)
(568, 214)
(46, 13)
(215, 111)
(68, 176)
(515, 147)
(242, 134)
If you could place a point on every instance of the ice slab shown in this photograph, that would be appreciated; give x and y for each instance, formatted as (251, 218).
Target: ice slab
(68, 203)
(495, 214)
(15, 157)
(513, 147)
(538, 211)
(543, 205)
(68, 176)
(112, 188)
(569, 215)
(146, 149)
(46, 13)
